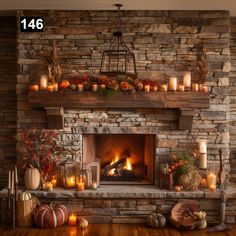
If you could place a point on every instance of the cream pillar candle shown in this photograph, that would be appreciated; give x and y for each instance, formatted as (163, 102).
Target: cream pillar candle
(195, 87)
(187, 80)
(202, 146)
(43, 83)
(16, 175)
(202, 161)
(9, 180)
(94, 87)
(12, 182)
(147, 88)
(181, 88)
(173, 84)
(211, 179)
(164, 87)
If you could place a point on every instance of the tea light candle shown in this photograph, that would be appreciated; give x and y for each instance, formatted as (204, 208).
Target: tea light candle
(213, 187)
(195, 87)
(55, 87)
(147, 88)
(80, 87)
(181, 88)
(50, 88)
(43, 82)
(54, 182)
(102, 86)
(204, 89)
(70, 182)
(164, 87)
(72, 220)
(187, 80)
(94, 87)
(211, 179)
(81, 186)
(49, 186)
(34, 88)
(173, 84)
(95, 186)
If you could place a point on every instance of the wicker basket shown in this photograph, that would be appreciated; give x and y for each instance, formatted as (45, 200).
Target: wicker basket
(24, 212)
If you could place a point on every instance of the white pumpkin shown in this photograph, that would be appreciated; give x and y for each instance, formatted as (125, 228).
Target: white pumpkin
(32, 178)
(83, 223)
(24, 196)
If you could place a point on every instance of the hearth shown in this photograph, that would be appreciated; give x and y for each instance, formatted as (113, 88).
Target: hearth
(124, 158)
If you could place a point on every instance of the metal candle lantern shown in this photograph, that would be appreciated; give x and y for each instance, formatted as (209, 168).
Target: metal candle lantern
(69, 173)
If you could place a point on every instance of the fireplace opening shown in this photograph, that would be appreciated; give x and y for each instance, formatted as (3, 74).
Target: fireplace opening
(124, 158)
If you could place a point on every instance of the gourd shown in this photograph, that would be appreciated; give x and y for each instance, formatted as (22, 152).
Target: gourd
(156, 220)
(50, 216)
(32, 178)
(25, 196)
(83, 223)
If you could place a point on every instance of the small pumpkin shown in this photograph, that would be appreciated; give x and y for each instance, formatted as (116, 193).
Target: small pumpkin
(25, 196)
(83, 223)
(32, 179)
(50, 216)
(156, 220)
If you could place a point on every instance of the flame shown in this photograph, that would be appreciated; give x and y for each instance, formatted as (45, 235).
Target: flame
(128, 164)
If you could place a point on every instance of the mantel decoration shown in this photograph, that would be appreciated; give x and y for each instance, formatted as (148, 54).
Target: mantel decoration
(39, 155)
(118, 59)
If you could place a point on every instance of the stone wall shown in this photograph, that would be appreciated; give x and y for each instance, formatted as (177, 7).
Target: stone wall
(8, 112)
(165, 43)
(233, 98)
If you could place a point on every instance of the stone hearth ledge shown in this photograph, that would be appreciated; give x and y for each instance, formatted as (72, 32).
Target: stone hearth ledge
(126, 191)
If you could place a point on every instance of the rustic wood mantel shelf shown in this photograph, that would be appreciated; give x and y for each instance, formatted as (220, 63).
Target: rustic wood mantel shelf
(54, 102)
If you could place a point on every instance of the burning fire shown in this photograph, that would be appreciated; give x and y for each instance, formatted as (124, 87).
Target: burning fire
(128, 164)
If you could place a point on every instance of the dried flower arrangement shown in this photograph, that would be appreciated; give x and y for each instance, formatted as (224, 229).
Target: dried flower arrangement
(202, 65)
(54, 69)
(39, 149)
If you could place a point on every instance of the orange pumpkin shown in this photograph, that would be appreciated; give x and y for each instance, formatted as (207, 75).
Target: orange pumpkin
(64, 84)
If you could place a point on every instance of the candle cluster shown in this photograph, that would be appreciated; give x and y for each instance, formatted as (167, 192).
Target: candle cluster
(44, 85)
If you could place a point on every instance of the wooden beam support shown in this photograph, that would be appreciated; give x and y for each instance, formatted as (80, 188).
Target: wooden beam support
(55, 117)
(185, 119)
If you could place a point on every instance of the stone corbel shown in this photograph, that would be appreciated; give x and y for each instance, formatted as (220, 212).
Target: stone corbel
(55, 117)
(185, 119)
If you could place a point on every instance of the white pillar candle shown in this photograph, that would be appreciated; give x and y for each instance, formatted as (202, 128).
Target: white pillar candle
(202, 146)
(147, 88)
(173, 84)
(202, 161)
(211, 180)
(43, 83)
(94, 87)
(9, 180)
(187, 80)
(16, 176)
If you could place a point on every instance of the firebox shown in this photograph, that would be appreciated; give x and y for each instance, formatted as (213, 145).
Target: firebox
(124, 158)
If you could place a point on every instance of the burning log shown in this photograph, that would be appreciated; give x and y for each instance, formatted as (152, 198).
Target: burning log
(117, 164)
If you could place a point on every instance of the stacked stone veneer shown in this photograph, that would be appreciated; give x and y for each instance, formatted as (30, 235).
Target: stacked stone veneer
(8, 109)
(165, 44)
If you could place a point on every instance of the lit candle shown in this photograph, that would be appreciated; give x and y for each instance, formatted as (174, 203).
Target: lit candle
(12, 182)
(204, 89)
(49, 186)
(164, 87)
(72, 220)
(54, 182)
(95, 185)
(181, 88)
(70, 181)
(195, 87)
(50, 88)
(187, 80)
(147, 88)
(211, 179)
(200, 87)
(55, 87)
(213, 187)
(16, 176)
(43, 82)
(81, 186)
(102, 86)
(34, 88)
(202, 146)
(9, 180)
(80, 87)
(173, 84)
(94, 87)
(154, 88)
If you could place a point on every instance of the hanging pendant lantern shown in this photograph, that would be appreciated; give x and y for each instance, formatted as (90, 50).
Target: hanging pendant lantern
(118, 59)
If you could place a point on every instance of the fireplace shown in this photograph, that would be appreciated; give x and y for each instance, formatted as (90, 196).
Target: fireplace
(124, 158)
